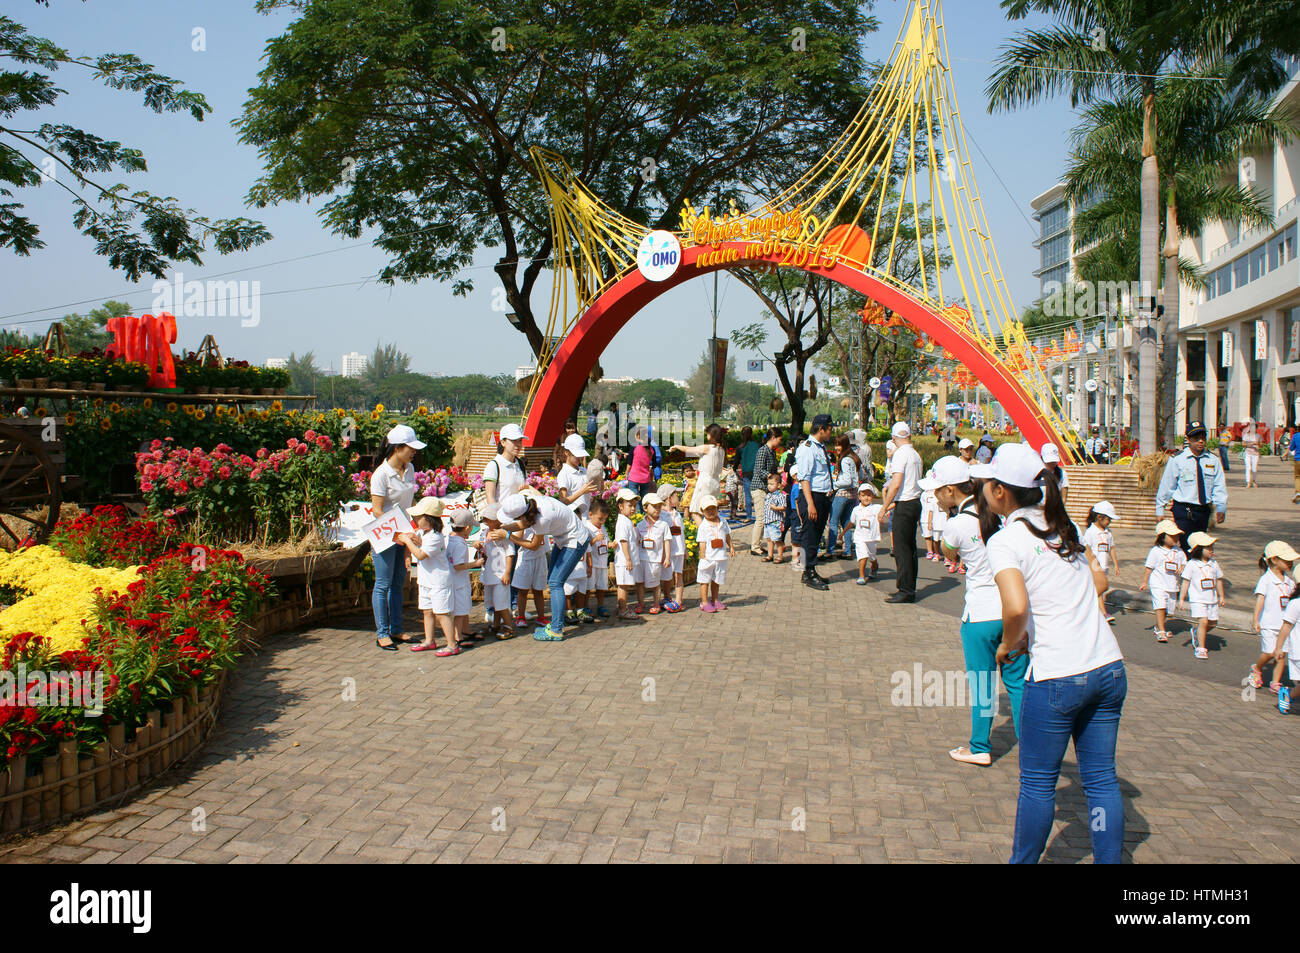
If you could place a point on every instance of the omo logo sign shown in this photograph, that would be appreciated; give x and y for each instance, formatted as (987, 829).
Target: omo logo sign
(658, 255)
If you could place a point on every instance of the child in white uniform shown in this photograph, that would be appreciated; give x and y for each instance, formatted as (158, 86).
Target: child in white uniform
(928, 506)
(575, 591)
(598, 578)
(656, 561)
(1284, 654)
(428, 548)
(461, 564)
(1098, 538)
(714, 539)
(496, 570)
(676, 547)
(1273, 593)
(530, 574)
(627, 556)
(1164, 567)
(1202, 588)
(864, 520)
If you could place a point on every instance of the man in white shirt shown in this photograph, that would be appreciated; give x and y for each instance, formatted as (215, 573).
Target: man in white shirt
(903, 497)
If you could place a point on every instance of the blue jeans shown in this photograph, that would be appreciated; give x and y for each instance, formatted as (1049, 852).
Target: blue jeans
(1086, 708)
(979, 644)
(386, 598)
(561, 563)
(749, 499)
(841, 507)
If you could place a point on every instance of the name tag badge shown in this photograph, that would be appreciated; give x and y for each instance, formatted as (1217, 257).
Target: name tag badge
(648, 544)
(1103, 547)
(676, 531)
(1284, 600)
(1171, 568)
(602, 549)
(716, 543)
(1207, 583)
(1209, 467)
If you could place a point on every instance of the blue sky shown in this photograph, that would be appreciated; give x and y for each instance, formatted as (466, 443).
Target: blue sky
(1016, 156)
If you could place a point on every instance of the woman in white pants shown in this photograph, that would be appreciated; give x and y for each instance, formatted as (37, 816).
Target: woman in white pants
(1250, 451)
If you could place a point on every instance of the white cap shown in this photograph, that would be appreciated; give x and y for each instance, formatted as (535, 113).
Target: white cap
(901, 429)
(946, 472)
(705, 502)
(512, 432)
(651, 499)
(575, 445)
(626, 494)
(512, 507)
(666, 490)
(964, 443)
(1104, 508)
(1168, 526)
(1051, 453)
(869, 486)
(794, 472)
(402, 435)
(1281, 550)
(890, 445)
(1201, 539)
(1014, 464)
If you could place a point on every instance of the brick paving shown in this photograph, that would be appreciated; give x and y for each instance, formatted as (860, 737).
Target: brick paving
(777, 710)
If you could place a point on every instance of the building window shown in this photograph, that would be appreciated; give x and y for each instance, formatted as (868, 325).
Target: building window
(1258, 258)
(1055, 277)
(1054, 219)
(1291, 344)
(1195, 361)
(1055, 250)
(1240, 272)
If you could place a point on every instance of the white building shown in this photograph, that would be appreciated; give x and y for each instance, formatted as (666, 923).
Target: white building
(354, 364)
(1239, 340)
(277, 362)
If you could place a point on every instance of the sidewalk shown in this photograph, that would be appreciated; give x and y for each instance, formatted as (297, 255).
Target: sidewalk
(1255, 516)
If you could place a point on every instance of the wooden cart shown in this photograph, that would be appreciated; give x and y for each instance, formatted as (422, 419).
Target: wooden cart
(33, 483)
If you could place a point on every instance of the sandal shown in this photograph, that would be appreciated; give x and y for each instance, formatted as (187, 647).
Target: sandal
(505, 634)
(444, 652)
(655, 610)
(767, 559)
(424, 647)
(627, 615)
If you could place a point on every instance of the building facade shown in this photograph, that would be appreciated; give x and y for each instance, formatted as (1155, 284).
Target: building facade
(354, 364)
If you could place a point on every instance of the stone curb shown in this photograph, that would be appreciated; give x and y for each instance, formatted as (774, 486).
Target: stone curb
(1131, 600)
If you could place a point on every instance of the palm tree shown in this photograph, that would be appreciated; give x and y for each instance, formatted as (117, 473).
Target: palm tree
(1122, 48)
(385, 362)
(1204, 129)
(303, 372)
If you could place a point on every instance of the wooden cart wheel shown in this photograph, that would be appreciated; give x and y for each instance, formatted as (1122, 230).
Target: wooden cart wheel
(28, 480)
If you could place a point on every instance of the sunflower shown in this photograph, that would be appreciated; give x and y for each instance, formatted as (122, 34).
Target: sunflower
(99, 402)
(276, 406)
(379, 408)
(114, 408)
(171, 407)
(188, 409)
(70, 418)
(423, 411)
(42, 412)
(199, 415)
(340, 413)
(147, 403)
(106, 424)
(374, 415)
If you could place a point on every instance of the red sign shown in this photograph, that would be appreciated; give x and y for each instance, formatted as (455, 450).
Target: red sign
(146, 340)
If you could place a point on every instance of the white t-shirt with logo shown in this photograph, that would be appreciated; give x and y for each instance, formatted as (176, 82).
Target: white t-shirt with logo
(1100, 541)
(1277, 596)
(1166, 567)
(1200, 575)
(1067, 633)
(866, 523)
(962, 533)
(707, 535)
(508, 475)
(397, 490)
(907, 462)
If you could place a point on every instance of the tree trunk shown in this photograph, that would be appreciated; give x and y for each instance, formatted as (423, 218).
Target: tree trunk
(1148, 263)
(1170, 398)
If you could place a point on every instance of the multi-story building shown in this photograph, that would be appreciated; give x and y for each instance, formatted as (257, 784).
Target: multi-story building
(278, 362)
(354, 364)
(1239, 340)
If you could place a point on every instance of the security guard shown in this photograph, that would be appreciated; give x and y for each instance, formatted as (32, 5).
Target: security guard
(1194, 481)
(813, 461)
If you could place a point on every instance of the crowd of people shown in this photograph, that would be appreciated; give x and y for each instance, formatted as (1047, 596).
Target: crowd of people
(1034, 614)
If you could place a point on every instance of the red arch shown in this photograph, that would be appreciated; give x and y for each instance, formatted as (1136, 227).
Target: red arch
(582, 347)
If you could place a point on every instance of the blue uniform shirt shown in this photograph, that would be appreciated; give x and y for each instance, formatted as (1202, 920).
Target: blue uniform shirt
(1179, 482)
(813, 465)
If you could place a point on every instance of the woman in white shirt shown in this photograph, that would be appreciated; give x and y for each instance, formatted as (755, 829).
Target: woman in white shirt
(392, 484)
(712, 456)
(504, 474)
(1250, 452)
(570, 537)
(1076, 683)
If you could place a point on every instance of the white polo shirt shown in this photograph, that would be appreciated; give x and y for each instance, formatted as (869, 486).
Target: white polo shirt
(962, 533)
(1067, 633)
(572, 480)
(396, 489)
(1277, 594)
(907, 462)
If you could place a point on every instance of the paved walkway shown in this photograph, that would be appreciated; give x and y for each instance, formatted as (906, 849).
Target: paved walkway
(767, 733)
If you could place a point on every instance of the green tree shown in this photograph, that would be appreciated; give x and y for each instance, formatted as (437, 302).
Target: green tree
(387, 360)
(303, 372)
(139, 233)
(735, 392)
(1110, 48)
(84, 332)
(656, 394)
(416, 119)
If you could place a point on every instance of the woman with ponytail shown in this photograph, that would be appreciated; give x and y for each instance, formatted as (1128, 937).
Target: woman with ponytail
(1076, 682)
(392, 484)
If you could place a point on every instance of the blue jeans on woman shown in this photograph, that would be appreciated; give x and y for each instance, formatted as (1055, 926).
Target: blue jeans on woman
(1086, 708)
(386, 598)
(979, 644)
(841, 506)
(561, 563)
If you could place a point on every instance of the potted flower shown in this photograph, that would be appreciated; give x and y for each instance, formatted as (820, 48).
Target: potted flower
(127, 375)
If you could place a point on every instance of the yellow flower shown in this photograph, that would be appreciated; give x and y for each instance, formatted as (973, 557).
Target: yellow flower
(63, 593)
(188, 409)
(70, 418)
(147, 403)
(171, 407)
(42, 412)
(115, 408)
(379, 408)
(99, 402)
(199, 415)
(276, 406)
(374, 415)
(423, 411)
(106, 424)
(339, 412)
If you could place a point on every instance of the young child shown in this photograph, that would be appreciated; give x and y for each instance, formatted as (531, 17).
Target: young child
(939, 520)
(864, 520)
(529, 575)
(598, 579)
(575, 592)
(928, 506)
(1098, 538)
(1284, 655)
(461, 564)
(496, 570)
(676, 547)
(1202, 588)
(731, 487)
(656, 560)
(628, 573)
(1164, 565)
(433, 575)
(714, 538)
(1273, 593)
(792, 521)
(774, 520)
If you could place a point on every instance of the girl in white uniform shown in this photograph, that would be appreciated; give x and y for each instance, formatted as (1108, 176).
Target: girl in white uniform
(1273, 593)
(428, 548)
(676, 547)
(1202, 588)
(656, 561)
(627, 556)
(1164, 568)
(1097, 538)
(496, 570)
(598, 578)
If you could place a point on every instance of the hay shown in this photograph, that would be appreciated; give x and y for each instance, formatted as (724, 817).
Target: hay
(461, 446)
(1150, 469)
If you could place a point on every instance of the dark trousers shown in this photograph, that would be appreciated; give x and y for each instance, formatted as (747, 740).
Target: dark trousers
(907, 517)
(811, 530)
(1191, 518)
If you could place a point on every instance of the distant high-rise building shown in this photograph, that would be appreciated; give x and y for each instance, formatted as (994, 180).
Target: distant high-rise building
(279, 362)
(354, 364)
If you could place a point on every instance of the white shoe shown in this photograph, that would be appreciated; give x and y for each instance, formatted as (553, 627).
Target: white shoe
(966, 756)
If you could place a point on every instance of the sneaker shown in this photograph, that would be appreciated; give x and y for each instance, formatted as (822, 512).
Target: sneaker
(862, 581)
(571, 617)
(602, 613)
(1256, 678)
(520, 620)
(966, 756)
(586, 618)
(1202, 653)
(545, 633)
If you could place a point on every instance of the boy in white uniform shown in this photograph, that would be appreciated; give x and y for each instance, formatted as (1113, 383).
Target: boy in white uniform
(598, 578)
(655, 559)
(627, 556)
(714, 539)
(496, 570)
(676, 545)
(530, 574)
(864, 520)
